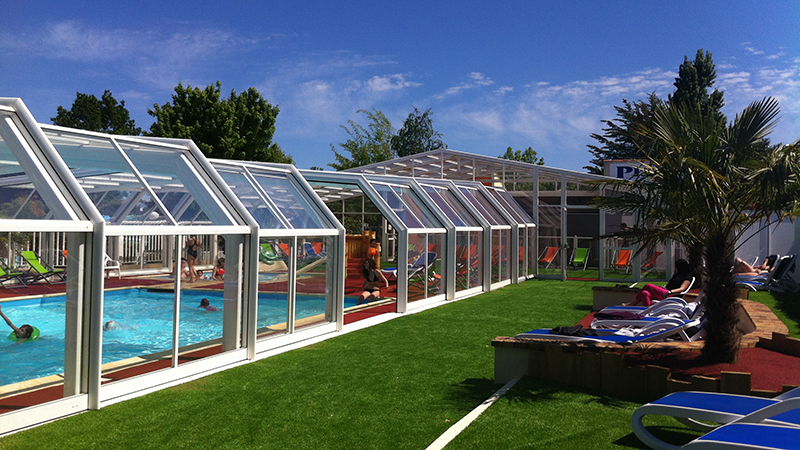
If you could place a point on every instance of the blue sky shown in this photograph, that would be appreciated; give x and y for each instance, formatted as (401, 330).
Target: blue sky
(495, 74)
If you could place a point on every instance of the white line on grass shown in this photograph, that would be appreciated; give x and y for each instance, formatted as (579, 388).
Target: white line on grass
(465, 421)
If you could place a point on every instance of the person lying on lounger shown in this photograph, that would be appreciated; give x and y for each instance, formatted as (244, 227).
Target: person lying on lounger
(677, 284)
(743, 268)
(22, 333)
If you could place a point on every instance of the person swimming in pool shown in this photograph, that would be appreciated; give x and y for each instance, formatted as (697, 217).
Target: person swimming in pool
(22, 333)
(110, 325)
(205, 304)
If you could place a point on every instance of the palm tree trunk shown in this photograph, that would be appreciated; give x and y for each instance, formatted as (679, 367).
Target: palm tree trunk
(722, 337)
(696, 263)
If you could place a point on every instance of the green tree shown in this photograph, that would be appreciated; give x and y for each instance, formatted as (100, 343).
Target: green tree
(417, 135)
(240, 127)
(367, 145)
(694, 80)
(705, 183)
(529, 155)
(620, 140)
(105, 115)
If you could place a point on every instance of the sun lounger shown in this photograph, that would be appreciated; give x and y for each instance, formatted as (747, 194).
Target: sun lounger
(548, 256)
(40, 270)
(657, 331)
(704, 411)
(748, 436)
(7, 274)
(675, 309)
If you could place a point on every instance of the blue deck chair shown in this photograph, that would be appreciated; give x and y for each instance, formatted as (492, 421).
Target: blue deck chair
(705, 411)
(423, 261)
(310, 252)
(658, 331)
(748, 436)
(40, 270)
(689, 311)
(774, 281)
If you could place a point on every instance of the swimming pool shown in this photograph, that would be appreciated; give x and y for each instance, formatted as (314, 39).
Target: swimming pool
(144, 318)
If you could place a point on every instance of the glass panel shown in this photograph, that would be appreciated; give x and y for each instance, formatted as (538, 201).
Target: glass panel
(583, 226)
(531, 250)
(291, 203)
(397, 206)
(417, 257)
(251, 199)
(415, 204)
(471, 196)
(314, 301)
(19, 198)
(435, 270)
(618, 252)
(462, 260)
(108, 179)
(433, 193)
(519, 255)
(511, 206)
(273, 285)
(454, 203)
(169, 171)
(549, 230)
(500, 252)
(475, 257)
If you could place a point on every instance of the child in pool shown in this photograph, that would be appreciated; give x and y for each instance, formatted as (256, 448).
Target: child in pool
(22, 333)
(205, 304)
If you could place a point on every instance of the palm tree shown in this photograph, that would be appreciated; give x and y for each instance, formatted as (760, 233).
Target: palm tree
(704, 184)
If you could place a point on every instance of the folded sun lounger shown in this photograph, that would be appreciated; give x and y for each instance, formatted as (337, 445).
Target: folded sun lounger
(703, 411)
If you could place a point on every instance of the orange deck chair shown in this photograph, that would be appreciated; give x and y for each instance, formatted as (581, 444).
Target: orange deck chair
(623, 261)
(548, 256)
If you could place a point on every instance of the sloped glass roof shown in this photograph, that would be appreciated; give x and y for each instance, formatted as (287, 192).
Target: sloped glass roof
(482, 204)
(271, 196)
(450, 205)
(28, 191)
(511, 206)
(133, 182)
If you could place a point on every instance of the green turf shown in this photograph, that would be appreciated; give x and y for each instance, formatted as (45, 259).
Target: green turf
(396, 385)
(784, 305)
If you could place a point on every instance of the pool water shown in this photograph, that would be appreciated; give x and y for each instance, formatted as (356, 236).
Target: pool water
(144, 320)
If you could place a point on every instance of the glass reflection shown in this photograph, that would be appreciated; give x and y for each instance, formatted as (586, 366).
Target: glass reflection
(275, 255)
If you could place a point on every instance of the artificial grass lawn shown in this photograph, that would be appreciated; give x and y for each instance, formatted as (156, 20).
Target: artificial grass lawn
(786, 306)
(396, 385)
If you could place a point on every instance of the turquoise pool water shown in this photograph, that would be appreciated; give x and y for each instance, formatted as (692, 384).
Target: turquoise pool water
(144, 318)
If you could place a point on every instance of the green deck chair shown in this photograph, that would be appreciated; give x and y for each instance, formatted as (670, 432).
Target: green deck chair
(580, 256)
(267, 254)
(40, 270)
(7, 274)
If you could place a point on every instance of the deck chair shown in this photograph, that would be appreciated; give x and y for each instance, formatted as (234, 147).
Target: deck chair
(579, 256)
(772, 281)
(40, 270)
(311, 252)
(548, 256)
(423, 272)
(110, 265)
(754, 436)
(7, 274)
(686, 312)
(420, 264)
(267, 254)
(705, 411)
(649, 266)
(657, 331)
(623, 261)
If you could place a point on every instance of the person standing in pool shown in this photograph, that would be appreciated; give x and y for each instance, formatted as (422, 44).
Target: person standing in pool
(22, 333)
(192, 246)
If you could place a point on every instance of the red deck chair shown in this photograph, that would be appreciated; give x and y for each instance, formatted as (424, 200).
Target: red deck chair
(623, 261)
(650, 265)
(548, 256)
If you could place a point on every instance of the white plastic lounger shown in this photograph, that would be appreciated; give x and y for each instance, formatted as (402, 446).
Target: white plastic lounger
(689, 408)
(675, 310)
(646, 309)
(659, 330)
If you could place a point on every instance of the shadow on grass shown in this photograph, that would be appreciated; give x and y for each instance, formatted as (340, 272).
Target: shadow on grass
(670, 435)
(583, 307)
(789, 304)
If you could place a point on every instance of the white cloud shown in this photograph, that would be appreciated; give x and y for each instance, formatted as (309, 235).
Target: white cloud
(477, 80)
(390, 83)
